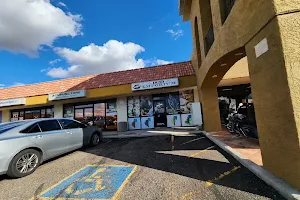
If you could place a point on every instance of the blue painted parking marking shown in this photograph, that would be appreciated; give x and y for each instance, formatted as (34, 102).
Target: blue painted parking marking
(92, 182)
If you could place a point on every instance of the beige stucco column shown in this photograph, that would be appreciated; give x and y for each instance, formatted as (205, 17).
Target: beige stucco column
(210, 109)
(275, 77)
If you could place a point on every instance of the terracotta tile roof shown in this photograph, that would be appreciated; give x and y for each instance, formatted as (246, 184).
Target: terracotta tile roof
(100, 80)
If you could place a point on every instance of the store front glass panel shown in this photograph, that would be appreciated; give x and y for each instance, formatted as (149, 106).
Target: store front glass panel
(33, 113)
(68, 111)
(99, 115)
(88, 116)
(79, 115)
(111, 115)
(166, 109)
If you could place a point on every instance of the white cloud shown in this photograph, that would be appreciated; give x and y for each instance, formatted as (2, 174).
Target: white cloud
(94, 59)
(26, 25)
(17, 84)
(62, 4)
(177, 24)
(175, 34)
(53, 62)
(2, 85)
(163, 62)
(155, 62)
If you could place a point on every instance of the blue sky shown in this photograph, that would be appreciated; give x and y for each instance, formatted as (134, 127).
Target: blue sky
(53, 39)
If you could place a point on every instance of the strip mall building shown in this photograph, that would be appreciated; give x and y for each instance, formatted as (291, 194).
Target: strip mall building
(145, 98)
(161, 96)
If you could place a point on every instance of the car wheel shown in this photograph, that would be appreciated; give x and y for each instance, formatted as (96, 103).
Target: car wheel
(95, 139)
(24, 163)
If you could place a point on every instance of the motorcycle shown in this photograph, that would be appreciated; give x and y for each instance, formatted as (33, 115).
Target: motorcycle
(238, 123)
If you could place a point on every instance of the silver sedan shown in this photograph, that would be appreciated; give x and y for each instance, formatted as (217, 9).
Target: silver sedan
(24, 145)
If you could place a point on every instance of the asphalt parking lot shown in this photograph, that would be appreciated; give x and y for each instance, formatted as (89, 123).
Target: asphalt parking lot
(141, 168)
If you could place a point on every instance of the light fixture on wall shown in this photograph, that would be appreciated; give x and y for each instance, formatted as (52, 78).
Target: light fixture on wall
(239, 54)
(215, 76)
(224, 64)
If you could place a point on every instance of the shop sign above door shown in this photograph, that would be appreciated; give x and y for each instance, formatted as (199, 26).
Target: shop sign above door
(155, 84)
(12, 102)
(67, 95)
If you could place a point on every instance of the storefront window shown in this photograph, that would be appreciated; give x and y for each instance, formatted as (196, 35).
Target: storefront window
(33, 113)
(43, 113)
(186, 98)
(133, 106)
(111, 115)
(49, 113)
(79, 114)
(146, 106)
(88, 116)
(15, 116)
(36, 114)
(99, 115)
(68, 111)
(160, 110)
(104, 115)
(173, 105)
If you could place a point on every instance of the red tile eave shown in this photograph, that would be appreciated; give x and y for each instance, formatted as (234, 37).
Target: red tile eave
(100, 80)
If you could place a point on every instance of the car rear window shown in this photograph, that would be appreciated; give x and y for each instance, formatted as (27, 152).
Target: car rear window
(8, 126)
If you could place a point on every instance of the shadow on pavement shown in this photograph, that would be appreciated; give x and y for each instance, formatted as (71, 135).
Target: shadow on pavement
(156, 153)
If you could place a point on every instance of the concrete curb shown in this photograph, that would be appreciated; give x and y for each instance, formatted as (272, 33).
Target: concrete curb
(282, 187)
(142, 135)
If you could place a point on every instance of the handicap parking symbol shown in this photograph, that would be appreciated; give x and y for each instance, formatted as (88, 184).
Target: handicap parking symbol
(92, 182)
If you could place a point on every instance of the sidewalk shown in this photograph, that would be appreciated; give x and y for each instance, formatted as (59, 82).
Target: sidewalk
(248, 153)
(248, 147)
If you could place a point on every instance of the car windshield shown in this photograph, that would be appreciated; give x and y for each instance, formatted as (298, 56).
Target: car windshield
(8, 126)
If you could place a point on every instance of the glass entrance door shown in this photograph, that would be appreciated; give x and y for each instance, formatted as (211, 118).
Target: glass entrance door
(84, 114)
(99, 115)
(160, 118)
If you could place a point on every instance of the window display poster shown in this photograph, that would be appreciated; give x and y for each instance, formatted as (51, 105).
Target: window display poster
(134, 123)
(159, 107)
(146, 106)
(111, 108)
(173, 120)
(186, 120)
(186, 98)
(172, 101)
(68, 112)
(133, 106)
(147, 122)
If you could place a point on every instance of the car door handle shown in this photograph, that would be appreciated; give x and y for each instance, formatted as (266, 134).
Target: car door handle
(38, 136)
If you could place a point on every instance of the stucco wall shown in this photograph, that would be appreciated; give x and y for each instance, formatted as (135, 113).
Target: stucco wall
(122, 109)
(5, 116)
(275, 88)
(238, 29)
(239, 69)
(58, 110)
